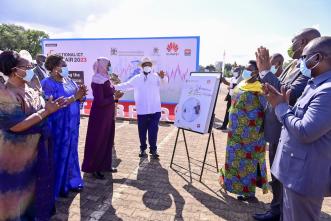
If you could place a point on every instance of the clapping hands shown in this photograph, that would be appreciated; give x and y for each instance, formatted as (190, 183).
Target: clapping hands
(82, 91)
(274, 97)
(161, 74)
(115, 79)
(263, 59)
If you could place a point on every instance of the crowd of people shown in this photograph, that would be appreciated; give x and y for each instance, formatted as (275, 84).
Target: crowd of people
(39, 129)
(285, 109)
(288, 112)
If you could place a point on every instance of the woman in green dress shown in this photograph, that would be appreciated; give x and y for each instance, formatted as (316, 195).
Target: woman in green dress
(245, 166)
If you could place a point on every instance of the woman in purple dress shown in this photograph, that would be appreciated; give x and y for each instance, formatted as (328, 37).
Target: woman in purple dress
(101, 125)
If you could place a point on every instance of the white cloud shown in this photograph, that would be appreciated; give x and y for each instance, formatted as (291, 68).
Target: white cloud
(139, 19)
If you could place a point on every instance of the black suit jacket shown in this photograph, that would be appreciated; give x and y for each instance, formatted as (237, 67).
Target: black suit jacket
(292, 79)
(37, 70)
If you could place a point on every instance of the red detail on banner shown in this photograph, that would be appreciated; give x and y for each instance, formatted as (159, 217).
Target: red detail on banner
(172, 47)
(170, 107)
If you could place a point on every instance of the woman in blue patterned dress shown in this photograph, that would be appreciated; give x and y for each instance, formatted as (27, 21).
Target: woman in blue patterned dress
(64, 125)
(245, 166)
(26, 164)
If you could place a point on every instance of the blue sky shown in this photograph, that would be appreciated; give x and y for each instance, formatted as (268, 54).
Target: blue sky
(238, 27)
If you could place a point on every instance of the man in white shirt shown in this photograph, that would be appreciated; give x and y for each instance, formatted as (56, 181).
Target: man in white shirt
(146, 86)
(232, 83)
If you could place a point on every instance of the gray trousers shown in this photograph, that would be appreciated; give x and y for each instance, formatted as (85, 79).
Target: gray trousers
(297, 207)
(277, 187)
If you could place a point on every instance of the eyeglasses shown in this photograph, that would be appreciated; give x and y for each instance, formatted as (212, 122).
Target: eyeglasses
(304, 57)
(25, 67)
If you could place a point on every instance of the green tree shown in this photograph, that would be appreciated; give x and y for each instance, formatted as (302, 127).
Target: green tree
(227, 70)
(18, 38)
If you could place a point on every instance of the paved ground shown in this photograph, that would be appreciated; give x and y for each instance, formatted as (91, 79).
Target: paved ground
(151, 190)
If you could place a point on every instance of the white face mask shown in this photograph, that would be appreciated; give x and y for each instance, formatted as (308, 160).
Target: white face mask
(28, 75)
(147, 69)
(273, 69)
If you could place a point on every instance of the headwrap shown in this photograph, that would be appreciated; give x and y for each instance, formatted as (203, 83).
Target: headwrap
(100, 68)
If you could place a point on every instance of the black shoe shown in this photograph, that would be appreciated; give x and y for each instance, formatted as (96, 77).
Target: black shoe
(53, 211)
(113, 170)
(64, 195)
(77, 189)
(155, 155)
(142, 154)
(99, 176)
(221, 128)
(268, 216)
(246, 198)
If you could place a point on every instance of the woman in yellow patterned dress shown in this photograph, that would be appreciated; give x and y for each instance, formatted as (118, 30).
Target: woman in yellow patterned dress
(245, 166)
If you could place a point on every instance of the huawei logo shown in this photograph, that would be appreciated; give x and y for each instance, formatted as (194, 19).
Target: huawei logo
(172, 47)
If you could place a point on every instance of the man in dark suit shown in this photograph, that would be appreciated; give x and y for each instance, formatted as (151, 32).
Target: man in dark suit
(40, 72)
(292, 79)
(276, 61)
(303, 159)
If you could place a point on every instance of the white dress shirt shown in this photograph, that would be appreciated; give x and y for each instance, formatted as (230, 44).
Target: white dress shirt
(233, 81)
(146, 92)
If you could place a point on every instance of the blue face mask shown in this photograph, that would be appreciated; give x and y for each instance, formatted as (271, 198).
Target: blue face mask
(304, 69)
(246, 74)
(273, 69)
(110, 70)
(29, 75)
(64, 72)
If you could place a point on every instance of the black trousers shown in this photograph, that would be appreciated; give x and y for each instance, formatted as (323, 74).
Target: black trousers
(148, 123)
(277, 187)
(226, 116)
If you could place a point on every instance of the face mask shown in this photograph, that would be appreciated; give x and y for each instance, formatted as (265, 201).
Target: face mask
(235, 74)
(147, 69)
(28, 75)
(64, 72)
(273, 69)
(110, 71)
(304, 69)
(290, 52)
(246, 74)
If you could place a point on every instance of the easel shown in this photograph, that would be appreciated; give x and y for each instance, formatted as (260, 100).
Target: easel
(211, 135)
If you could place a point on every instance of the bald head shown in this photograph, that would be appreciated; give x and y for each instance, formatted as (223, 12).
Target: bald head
(302, 39)
(308, 34)
(277, 58)
(318, 55)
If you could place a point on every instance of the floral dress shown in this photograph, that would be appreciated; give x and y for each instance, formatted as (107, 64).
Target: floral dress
(245, 166)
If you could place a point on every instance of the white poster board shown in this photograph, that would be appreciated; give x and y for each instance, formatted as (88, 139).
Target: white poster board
(197, 102)
(177, 56)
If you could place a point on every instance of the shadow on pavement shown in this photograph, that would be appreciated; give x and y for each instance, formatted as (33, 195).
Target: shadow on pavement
(154, 180)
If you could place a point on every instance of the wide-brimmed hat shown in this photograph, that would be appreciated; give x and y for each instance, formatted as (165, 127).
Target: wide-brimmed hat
(145, 60)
